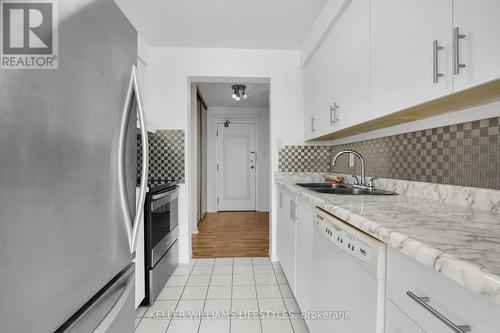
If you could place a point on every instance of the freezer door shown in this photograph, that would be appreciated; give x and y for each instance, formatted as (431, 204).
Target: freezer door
(62, 231)
(109, 311)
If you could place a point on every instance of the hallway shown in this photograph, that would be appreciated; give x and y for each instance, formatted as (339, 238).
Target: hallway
(232, 234)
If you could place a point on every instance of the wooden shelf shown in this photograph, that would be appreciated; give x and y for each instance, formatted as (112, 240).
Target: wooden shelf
(483, 94)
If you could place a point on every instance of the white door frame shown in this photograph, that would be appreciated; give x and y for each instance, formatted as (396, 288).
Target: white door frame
(190, 157)
(238, 121)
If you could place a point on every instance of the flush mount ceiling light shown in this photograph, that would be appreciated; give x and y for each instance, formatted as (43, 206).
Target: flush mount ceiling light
(239, 93)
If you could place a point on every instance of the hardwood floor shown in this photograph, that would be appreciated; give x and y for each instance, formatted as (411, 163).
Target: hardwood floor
(232, 234)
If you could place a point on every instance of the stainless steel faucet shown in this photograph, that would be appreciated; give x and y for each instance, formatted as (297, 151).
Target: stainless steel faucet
(355, 153)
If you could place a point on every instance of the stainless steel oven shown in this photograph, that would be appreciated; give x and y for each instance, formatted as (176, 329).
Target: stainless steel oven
(161, 232)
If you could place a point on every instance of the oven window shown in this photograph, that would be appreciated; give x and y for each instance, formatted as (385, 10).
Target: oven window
(163, 219)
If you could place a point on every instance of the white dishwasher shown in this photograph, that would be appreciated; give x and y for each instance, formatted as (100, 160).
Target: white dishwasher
(348, 278)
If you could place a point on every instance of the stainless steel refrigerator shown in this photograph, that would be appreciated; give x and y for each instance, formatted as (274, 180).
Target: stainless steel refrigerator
(65, 253)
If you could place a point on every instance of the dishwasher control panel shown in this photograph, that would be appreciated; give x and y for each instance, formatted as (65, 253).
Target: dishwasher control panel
(343, 239)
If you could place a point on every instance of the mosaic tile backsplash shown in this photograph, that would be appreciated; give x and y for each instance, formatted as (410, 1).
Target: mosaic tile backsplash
(305, 159)
(466, 154)
(166, 156)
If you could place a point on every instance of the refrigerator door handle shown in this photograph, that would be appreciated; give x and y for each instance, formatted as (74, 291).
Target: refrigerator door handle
(145, 163)
(110, 317)
(132, 224)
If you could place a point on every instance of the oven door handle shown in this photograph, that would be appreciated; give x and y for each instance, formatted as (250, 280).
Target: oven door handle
(132, 224)
(172, 195)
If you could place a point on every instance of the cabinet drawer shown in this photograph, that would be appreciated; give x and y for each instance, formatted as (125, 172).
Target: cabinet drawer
(453, 301)
(396, 321)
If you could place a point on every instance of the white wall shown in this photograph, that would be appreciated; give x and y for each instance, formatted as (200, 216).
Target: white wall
(142, 71)
(261, 117)
(191, 169)
(198, 129)
(170, 72)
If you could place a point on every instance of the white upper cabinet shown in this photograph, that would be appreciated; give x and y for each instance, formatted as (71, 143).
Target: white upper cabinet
(318, 91)
(313, 102)
(405, 56)
(350, 89)
(478, 47)
(385, 56)
(337, 78)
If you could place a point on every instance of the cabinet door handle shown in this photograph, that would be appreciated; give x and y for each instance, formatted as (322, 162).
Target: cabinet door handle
(435, 71)
(281, 200)
(312, 125)
(334, 116)
(456, 50)
(424, 302)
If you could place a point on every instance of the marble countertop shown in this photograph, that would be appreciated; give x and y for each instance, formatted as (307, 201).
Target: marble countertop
(460, 242)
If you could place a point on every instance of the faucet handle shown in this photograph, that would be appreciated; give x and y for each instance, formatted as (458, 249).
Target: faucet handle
(356, 180)
(371, 184)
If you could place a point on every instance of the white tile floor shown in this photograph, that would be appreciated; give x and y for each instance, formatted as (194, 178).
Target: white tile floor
(208, 286)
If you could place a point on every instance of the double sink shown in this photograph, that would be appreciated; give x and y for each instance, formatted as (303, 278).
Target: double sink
(345, 189)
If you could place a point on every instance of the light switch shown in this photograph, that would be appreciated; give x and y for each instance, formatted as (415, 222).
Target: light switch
(279, 143)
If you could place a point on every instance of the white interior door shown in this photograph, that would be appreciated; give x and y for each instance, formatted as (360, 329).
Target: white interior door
(236, 163)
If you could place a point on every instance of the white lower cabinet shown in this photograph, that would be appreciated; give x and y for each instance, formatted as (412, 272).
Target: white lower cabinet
(286, 234)
(419, 299)
(396, 321)
(304, 254)
(424, 295)
(295, 244)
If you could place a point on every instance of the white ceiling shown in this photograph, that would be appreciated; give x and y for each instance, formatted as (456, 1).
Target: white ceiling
(260, 24)
(219, 94)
